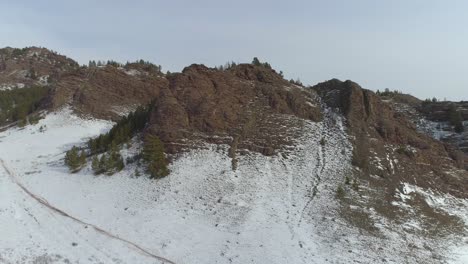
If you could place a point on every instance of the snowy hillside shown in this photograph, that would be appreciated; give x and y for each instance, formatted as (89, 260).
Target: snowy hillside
(279, 209)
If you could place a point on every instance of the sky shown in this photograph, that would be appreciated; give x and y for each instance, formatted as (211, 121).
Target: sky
(415, 46)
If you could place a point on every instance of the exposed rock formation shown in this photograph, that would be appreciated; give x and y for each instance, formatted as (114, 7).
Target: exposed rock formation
(388, 145)
(106, 92)
(434, 119)
(31, 66)
(240, 106)
(389, 152)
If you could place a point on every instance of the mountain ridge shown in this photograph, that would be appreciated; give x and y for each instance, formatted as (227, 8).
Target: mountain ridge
(373, 157)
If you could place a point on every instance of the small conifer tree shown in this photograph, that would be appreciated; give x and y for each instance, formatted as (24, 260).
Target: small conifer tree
(153, 153)
(95, 165)
(102, 163)
(82, 158)
(72, 159)
(256, 62)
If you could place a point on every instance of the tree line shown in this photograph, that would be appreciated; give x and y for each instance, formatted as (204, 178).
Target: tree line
(122, 131)
(104, 149)
(17, 104)
(147, 65)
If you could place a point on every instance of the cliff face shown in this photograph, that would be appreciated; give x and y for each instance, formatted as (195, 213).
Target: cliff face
(388, 145)
(241, 106)
(389, 155)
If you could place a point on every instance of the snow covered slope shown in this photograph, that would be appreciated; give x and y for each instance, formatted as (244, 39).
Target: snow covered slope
(279, 209)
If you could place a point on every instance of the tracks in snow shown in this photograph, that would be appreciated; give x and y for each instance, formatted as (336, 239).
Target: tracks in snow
(319, 168)
(45, 203)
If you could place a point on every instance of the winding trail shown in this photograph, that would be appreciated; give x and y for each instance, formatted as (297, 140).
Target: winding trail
(44, 202)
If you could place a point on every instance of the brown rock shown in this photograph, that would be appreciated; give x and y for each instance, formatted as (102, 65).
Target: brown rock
(220, 106)
(379, 132)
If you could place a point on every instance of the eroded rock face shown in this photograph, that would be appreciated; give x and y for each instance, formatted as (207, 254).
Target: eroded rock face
(389, 155)
(21, 68)
(106, 92)
(241, 106)
(388, 146)
(434, 119)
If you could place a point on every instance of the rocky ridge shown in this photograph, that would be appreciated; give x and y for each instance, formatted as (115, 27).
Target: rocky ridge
(253, 109)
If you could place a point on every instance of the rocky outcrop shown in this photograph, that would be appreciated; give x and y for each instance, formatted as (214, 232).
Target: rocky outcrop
(241, 106)
(389, 154)
(31, 66)
(389, 146)
(434, 119)
(106, 92)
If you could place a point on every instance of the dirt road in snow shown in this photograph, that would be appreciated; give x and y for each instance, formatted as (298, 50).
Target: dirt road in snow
(45, 203)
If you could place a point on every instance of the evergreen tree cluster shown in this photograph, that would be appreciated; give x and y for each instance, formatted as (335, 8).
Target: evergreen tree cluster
(227, 66)
(114, 63)
(108, 163)
(106, 155)
(121, 132)
(75, 159)
(456, 119)
(93, 63)
(18, 52)
(387, 92)
(256, 62)
(17, 104)
(428, 101)
(146, 65)
(296, 82)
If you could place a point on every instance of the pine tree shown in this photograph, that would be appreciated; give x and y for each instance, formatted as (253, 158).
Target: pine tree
(82, 158)
(102, 163)
(95, 165)
(72, 159)
(113, 162)
(456, 119)
(108, 165)
(120, 165)
(153, 153)
(256, 62)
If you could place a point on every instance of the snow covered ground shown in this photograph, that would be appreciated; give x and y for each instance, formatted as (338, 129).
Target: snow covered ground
(270, 210)
(446, 203)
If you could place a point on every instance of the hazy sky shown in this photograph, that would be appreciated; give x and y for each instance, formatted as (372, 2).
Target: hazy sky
(417, 46)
